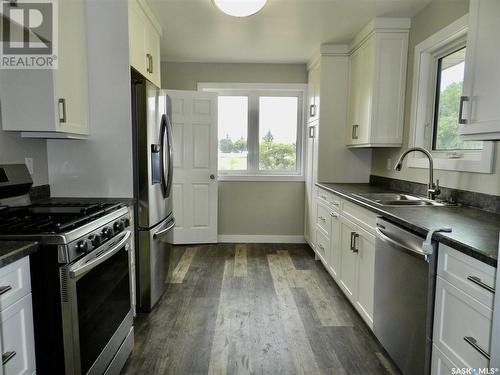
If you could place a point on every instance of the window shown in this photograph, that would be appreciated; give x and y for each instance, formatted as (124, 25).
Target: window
(259, 131)
(449, 82)
(440, 63)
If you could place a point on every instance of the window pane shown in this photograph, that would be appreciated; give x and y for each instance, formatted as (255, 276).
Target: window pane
(448, 91)
(278, 133)
(232, 129)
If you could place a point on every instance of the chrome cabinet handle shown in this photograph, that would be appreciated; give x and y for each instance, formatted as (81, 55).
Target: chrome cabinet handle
(151, 64)
(355, 248)
(320, 246)
(312, 132)
(462, 120)
(354, 133)
(7, 356)
(312, 110)
(473, 342)
(148, 62)
(334, 214)
(352, 241)
(476, 280)
(62, 109)
(322, 218)
(336, 204)
(5, 289)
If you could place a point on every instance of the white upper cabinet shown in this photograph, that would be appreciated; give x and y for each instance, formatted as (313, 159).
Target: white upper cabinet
(51, 103)
(144, 41)
(480, 117)
(377, 83)
(313, 87)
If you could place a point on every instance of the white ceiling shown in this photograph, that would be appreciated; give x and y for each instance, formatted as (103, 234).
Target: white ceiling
(284, 31)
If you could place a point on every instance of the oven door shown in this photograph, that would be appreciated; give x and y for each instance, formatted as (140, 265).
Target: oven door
(96, 306)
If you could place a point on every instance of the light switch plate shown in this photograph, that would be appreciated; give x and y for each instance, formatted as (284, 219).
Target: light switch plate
(389, 164)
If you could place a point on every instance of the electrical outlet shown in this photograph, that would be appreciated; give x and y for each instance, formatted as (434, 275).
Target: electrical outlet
(29, 165)
(389, 164)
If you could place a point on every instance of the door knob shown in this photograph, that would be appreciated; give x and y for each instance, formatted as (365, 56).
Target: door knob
(212, 177)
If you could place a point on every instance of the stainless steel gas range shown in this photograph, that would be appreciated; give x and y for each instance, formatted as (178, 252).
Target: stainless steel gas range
(80, 280)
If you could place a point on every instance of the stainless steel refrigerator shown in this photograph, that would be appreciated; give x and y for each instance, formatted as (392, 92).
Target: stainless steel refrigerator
(153, 171)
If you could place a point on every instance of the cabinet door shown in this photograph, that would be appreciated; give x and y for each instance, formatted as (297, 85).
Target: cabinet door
(365, 243)
(482, 76)
(335, 245)
(353, 99)
(313, 93)
(153, 49)
(348, 259)
(310, 201)
(71, 76)
(18, 338)
(365, 89)
(137, 38)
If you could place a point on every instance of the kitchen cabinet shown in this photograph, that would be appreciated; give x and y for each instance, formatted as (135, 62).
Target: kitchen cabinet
(480, 117)
(377, 83)
(313, 87)
(51, 103)
(463, 311)
(310, 181)
(144, 41)
(345, 244)
(16, 316)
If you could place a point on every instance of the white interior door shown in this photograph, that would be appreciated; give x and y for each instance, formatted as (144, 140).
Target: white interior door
(194, 188)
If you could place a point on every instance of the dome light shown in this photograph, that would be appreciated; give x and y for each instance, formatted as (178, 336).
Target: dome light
(240, 8)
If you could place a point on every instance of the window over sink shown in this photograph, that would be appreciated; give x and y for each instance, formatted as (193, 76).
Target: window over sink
(259, 130)
(439, 67)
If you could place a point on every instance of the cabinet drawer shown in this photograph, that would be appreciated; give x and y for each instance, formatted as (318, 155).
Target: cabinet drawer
(335, 202)
(322, 244)
(366, 219)
(323, 195)
(324, 218)
(468, 274)
(14, 282)
(17, 338)
(458, 316)
(441, 364)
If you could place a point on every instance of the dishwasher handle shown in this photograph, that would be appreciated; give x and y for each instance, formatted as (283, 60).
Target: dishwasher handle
(400, 246)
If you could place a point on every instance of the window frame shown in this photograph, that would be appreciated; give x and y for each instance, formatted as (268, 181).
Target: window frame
(254, 91)
(427, 54)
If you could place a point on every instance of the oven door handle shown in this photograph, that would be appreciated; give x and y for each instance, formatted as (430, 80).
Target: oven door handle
(75, 273)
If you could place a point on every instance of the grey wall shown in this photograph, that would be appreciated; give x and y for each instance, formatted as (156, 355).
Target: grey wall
(248, 208)
(432, 18)
(100, 166)
(13, 150)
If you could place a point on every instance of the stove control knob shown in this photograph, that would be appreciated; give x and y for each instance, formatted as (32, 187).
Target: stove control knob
(95, 240)
(126, 222)
(118, 226)
(82, 246)
(107, 232)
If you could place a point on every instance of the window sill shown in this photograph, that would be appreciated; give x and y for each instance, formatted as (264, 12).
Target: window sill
(270, 178)
(480, 162)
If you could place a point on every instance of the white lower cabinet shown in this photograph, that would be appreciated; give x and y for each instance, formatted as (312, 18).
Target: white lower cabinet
(18, 347)
(462, 313)
(17, 344)
(348, 252)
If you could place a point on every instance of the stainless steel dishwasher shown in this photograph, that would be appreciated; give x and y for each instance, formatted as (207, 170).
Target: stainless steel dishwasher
(404, 297)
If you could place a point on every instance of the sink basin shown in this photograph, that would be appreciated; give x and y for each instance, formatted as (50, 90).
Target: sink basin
(399, 199)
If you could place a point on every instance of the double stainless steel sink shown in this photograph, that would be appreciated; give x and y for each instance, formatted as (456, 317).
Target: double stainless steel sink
(400, 199)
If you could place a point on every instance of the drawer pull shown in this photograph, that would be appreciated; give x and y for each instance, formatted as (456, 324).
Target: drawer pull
(322, 219)
(334, 214)
(336, 204)
(4, 289)
(476, 280)
(6, 357)
(473, 342)
(323, 197)
(320, 246)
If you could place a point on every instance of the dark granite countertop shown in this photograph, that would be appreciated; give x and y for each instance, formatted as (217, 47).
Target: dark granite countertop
(475, 232)
(126, 201)
(10, 251)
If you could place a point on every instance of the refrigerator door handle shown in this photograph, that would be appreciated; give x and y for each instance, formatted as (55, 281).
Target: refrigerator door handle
(163, 161)
(162, 231)
(170, 148)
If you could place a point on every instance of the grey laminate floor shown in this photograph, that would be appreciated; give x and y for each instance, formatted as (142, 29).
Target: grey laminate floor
(253, 309)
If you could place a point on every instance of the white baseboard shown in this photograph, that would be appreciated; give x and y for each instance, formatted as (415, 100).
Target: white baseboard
(244, 238)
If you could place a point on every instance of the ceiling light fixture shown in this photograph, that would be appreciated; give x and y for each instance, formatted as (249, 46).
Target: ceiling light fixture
(240, 8)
